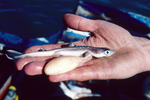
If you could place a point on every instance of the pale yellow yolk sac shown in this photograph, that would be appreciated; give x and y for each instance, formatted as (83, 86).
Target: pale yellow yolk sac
(62, 65)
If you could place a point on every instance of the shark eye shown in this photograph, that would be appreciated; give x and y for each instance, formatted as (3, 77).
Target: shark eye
(107, 52)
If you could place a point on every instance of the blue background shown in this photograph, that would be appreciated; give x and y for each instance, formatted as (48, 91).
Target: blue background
(42, 18)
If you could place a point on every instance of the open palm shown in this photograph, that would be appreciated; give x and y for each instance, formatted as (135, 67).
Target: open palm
(126, 62)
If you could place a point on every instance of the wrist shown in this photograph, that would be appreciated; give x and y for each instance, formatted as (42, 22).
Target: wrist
(144, 46)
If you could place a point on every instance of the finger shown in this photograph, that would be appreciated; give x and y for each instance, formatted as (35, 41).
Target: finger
(35, 68)
(21, 63)
(106, 33)
(84, 24)
(80, 23)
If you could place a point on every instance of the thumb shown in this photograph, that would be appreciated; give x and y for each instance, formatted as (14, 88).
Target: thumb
(79, 23)
(93, 69)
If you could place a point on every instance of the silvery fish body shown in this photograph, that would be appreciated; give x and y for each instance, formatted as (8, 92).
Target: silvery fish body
(79, 51)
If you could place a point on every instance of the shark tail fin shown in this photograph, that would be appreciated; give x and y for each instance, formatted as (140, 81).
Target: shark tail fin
(11, 54)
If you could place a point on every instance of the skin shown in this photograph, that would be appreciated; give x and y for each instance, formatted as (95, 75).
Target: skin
(132, 56)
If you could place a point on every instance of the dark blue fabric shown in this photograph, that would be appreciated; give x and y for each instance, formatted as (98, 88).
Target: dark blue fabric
(136, 24)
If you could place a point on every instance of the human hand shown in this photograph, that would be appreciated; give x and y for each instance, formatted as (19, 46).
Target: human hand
(132, 54)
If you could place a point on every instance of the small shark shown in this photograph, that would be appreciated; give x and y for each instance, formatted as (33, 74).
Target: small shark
(69, 50)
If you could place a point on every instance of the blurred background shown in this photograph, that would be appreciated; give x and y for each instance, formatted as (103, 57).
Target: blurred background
(36, 18)
(24, 22)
